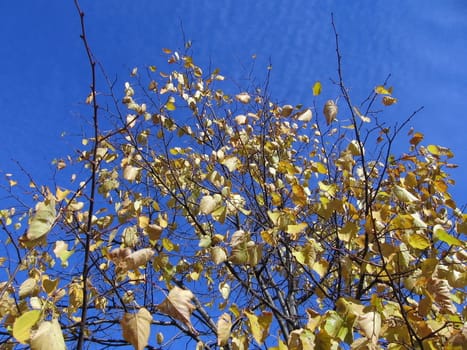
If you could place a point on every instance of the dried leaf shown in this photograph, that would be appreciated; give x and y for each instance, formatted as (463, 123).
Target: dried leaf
(370, 324)
(330, 111)
(224, 325)
(138, 258)
(178, 306)
(441, 291)
(136, 328)
(304, 116)
(388, 100)
(243, 97)
(208, 204)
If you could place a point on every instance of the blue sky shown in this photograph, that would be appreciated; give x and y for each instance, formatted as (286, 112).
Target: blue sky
(45, 77)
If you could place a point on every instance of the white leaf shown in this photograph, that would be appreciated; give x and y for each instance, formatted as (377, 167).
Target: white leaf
(403, 195)
(48, 336)
(305, 116)
(207, 205)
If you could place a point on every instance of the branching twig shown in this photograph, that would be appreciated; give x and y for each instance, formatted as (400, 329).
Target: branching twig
(94, 169)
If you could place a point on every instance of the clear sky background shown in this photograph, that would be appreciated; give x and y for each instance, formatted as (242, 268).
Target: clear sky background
(44, 74)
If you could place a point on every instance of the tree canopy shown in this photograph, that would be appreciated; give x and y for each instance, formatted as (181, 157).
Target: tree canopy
(202, 213)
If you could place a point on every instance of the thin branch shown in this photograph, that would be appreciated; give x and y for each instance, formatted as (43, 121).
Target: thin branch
(94, 166)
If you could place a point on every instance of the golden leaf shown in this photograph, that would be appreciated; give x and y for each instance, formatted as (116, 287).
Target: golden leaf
(317, 88)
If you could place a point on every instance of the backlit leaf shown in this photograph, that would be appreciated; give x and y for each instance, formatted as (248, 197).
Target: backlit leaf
(23, 324)
(404, 195)
(380, 89)
(48, 336)
(389, 100)
(178, 306)
(138, 258)
(330, 111)
(259, 325)
(444, 236)
(317, 88)
(42, 220)
(136, 328)
(224, 325)
(304, 116)
(418, 241)
(243, 97)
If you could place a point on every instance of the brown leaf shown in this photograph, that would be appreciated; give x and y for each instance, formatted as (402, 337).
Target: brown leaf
(441, 291)
(136, 328)
(178, 306)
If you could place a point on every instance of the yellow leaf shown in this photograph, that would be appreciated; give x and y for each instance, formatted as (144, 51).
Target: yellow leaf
(382, 90)
(218, 255)
(42, 220)
(259, 325)
(23, 324)
(130, 172)
(224, 325)
(60, 195)
(299, 196)
(48, 336)
(370, 325)
(321, 267)
(136, 328)
(442, 235)
(296, 229)
(231, 162)
(317, 88)
(143, 221)
(418, 241)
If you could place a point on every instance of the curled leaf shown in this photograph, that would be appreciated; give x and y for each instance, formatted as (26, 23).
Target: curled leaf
(243, 97)
(330, 111)
(178, 306)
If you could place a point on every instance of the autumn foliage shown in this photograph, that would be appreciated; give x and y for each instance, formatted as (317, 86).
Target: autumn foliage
(206, 215)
